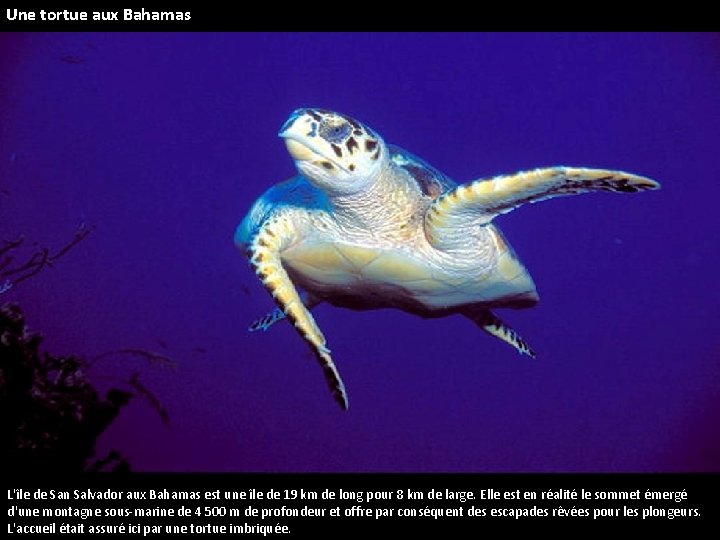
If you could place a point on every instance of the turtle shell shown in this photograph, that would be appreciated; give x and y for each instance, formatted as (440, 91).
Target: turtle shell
(432, 182)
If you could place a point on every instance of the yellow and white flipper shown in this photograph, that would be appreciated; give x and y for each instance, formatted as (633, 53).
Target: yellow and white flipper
(263, 250)
(478, 202)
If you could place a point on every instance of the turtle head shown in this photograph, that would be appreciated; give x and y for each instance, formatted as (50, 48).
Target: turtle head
(336, 153)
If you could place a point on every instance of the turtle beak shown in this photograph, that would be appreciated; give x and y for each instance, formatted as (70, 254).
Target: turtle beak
(299, 151)
(297, 132)
(287, 126)
(300, 132)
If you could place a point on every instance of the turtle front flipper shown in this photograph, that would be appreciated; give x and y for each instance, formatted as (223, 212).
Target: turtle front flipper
(264, 250)
(494, 326)
(277, 314)
(478, 202)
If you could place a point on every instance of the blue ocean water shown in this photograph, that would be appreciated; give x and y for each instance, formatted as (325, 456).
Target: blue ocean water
(163, 141)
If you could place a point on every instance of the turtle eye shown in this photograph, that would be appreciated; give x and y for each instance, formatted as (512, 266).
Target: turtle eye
(334, 133)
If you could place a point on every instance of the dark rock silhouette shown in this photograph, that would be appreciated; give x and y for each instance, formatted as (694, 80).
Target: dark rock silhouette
(52, 415)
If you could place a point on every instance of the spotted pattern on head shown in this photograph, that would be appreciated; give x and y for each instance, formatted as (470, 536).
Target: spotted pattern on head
(352, 145)
(332, 150)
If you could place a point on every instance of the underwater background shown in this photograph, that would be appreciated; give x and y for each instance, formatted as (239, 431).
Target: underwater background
(162, 141)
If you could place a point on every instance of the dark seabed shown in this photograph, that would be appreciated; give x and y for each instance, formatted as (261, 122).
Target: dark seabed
(164, 140)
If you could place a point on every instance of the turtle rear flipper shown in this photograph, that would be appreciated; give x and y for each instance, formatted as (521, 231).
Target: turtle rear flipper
(494, 326)
(277, 314)
(267, 320)
(477, 203)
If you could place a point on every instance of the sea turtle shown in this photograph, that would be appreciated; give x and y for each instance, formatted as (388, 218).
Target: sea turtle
(367, 225)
